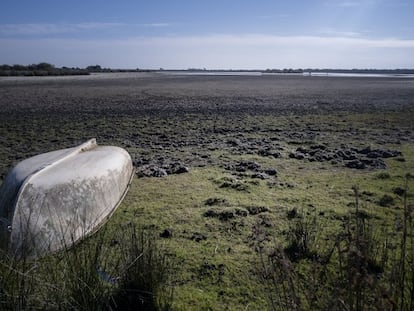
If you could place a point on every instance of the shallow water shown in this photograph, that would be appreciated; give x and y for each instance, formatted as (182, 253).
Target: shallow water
(358, 75)
(114, 75)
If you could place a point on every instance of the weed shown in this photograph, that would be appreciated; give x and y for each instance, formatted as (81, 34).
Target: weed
(94, 275)
(399, 191)
(354, 271)
(301, 237)
(386, 200)
(292, 213)
(144, 274)
(17, 283)
(383, 175)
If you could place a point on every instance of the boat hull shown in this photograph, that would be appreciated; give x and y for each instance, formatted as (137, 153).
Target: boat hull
(51, 201)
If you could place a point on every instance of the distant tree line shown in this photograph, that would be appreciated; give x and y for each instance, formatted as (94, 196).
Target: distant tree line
(41, 69)
(46, 69)
(98, 68)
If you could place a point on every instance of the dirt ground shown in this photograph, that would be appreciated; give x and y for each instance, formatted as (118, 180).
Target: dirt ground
(149, 94)
(161, 118)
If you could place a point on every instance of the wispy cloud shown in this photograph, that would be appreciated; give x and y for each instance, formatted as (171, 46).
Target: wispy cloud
(347, 4)
(66, 28)
(351, 3)
(338, 33)
(42, 29)
(366, 3)
(250, 51)
(274, 16)
(155, 25)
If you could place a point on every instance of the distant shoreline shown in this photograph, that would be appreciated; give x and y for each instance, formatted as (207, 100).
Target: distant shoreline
(46, 69)
(310, 74)
(144, 74)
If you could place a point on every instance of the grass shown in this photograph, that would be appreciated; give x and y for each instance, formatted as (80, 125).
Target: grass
(224, 227)
(360, 267)
(122, 270)
(220, 271)
(230, 241)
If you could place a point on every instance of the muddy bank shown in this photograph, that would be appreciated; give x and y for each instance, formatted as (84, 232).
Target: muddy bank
(163, 119)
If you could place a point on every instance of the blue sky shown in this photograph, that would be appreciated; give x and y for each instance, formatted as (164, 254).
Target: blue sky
(249, 34)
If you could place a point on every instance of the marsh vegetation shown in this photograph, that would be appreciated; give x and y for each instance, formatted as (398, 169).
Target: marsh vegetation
(279, 192)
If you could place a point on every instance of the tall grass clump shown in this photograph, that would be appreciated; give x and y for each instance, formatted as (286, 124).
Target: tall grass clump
(17, 283)
(121, 270)
(75, 273)
(143, 274)
(357, 268)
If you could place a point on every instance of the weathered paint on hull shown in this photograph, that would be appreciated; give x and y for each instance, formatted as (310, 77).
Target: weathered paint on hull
(51, 201)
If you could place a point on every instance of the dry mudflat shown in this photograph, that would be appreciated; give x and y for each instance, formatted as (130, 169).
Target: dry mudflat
(160, 117)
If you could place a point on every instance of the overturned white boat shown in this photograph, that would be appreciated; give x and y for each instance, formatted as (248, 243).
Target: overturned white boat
(50, 201)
